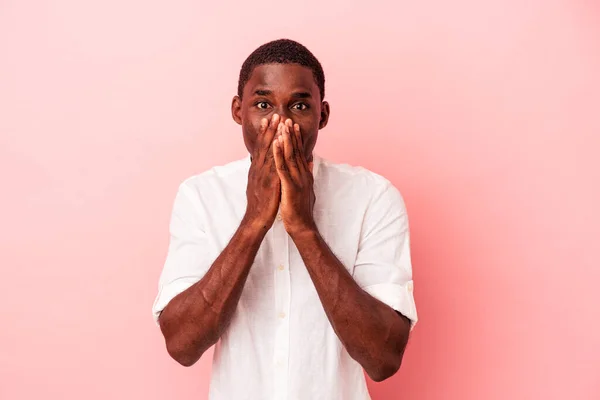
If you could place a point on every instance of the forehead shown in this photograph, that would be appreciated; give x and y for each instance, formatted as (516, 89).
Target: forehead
(282, 78)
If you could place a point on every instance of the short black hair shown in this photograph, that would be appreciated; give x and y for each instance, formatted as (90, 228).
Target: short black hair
(282, 51)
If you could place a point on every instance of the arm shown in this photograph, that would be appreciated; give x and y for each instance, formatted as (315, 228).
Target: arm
(373, 333)
(194, 318)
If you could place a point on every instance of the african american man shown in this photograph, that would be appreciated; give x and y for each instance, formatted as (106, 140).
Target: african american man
(296, 268)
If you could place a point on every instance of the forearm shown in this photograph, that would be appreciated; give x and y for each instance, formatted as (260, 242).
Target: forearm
(196, 318)
(373, 333)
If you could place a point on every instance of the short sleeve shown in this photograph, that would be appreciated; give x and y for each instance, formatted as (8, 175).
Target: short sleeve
(187, 257)
(383, 263)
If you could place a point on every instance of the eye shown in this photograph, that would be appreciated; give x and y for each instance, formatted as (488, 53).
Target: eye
(263, 105)
(300, 106)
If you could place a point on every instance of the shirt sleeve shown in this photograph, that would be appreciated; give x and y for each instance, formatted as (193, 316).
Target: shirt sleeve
(383, 264)
(187, 257)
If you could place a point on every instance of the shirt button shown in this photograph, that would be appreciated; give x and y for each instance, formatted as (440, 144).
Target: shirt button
(410, 286)
(282, 315)
(280, 267)
(279, 217)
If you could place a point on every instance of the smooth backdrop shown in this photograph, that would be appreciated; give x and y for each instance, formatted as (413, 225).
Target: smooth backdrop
(485, 114)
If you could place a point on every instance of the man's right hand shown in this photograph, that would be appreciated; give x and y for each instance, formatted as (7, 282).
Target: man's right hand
(195, 319)
(264, 187)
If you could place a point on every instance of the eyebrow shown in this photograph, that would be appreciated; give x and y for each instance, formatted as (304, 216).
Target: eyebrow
(297, 95)
(261, 92)
(302, 95)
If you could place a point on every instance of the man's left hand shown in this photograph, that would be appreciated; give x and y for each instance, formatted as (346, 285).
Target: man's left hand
(295, 173)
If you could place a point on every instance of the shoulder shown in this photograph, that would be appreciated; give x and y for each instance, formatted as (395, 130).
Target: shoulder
(219, 178)
(358, 180)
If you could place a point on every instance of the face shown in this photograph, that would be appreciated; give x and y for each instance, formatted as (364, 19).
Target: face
(289, 90)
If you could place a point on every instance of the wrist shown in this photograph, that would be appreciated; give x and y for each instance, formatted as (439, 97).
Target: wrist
(253, 223)
(250, 235)
(304, 232)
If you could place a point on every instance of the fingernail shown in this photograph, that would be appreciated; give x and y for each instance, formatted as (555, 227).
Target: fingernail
(275, 117)
(264, 122)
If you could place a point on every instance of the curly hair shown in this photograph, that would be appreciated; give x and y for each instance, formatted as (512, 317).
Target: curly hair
(282, 51)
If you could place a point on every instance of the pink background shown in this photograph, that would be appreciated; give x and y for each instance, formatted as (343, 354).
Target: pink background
(484, 114)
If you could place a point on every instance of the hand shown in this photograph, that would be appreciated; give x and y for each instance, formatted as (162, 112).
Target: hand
(264, 188)
(295, 173)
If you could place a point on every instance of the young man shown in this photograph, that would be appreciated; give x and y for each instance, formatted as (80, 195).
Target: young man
(297, 268)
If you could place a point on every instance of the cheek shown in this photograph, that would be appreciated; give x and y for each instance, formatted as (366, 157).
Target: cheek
(309, 141)
(251, 129)
(309, 130)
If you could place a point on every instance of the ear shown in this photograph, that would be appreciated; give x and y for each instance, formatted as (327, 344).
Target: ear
(236, 109)
(324, 115)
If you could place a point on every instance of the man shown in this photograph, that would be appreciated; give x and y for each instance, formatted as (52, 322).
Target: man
(297, 268)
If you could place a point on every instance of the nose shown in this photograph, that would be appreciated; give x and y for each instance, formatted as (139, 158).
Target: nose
(284, 113)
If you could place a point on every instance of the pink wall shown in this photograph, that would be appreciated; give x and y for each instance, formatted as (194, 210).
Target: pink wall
(486, 115)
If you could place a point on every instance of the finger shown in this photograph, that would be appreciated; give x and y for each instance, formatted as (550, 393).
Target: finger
(274, 142)
(296, 145)
(279, 141)
(298, 149)
(310, 166)
(264, 123)
(291, 155)
(298, 135)
(282, 170)
(271, 130)
(274, 123)
(290, 125)
(267, 141)
(288, 150)
(301, 156)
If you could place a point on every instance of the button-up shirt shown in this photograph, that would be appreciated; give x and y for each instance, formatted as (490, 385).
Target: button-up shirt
(280, 344)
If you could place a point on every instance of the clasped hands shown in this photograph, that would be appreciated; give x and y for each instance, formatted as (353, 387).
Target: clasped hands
(281, 177)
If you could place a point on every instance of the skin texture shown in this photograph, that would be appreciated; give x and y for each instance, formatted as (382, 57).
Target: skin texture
(281, 113)
(288, 90)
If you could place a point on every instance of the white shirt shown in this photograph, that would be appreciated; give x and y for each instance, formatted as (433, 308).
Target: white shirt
(280, 344)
